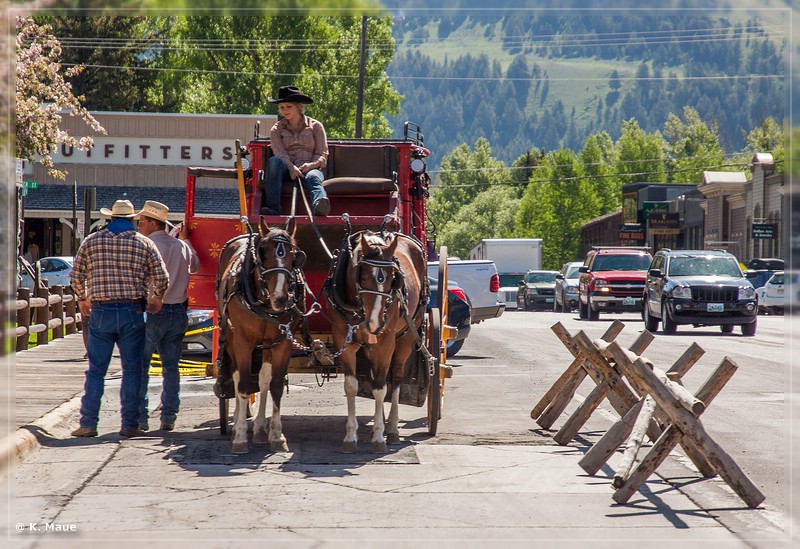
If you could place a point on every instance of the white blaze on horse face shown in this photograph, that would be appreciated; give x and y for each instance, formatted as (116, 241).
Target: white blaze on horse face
(376, 315)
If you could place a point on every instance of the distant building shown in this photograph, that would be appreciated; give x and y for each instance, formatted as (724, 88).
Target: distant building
(725, 211)
(144, 156)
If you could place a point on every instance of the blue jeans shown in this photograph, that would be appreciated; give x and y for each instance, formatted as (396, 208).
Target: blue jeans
(165, 330)
(278, 174)
(110, 324)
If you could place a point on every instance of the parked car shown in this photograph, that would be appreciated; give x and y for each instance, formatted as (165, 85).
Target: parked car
(565, 297)
(197, 343)
(763, 269)
(55, 270)
(459, 313)
(509, 283)
(771, 296)
(536, 289)
(701, 288)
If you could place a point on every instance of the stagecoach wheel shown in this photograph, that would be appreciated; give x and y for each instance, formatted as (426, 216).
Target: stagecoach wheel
(435, 381)
(223, 416)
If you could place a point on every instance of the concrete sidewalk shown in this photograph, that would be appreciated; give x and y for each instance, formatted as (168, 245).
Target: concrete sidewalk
(47, 382)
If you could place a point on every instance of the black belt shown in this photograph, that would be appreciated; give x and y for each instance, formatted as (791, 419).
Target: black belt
(140, 301)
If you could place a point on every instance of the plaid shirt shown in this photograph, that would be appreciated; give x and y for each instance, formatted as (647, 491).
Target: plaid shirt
(111, 266)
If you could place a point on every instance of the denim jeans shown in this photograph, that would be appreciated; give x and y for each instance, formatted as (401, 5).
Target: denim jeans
(278, 174)
(165, 330)
(110, 324)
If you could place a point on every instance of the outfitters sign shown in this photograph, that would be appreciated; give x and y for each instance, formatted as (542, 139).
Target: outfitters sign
(141, 151)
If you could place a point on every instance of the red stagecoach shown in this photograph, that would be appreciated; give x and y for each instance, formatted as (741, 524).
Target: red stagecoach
(372, 184)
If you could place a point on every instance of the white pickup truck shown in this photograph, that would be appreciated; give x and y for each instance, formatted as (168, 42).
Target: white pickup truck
(479, 280)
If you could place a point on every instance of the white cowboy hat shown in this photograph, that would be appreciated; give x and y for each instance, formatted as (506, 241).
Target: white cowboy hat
(121, 208)
(156, 210)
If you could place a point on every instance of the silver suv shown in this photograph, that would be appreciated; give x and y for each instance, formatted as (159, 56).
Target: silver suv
(701, 288)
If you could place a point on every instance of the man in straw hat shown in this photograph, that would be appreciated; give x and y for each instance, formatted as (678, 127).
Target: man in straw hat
(165, 329)
(113, 271)
(300, 150)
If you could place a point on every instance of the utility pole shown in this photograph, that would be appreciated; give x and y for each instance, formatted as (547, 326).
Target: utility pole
(362, 67)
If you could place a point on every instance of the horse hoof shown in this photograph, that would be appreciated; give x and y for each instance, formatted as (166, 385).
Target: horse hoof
(392, 438)
(239, 448)
(379, 448)
(260, 437)
(349, 447)
(279, 446)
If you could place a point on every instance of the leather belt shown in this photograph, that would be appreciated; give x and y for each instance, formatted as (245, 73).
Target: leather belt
(139, 301)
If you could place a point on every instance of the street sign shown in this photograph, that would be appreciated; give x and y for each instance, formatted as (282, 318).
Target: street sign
(30, 184)
(19, 172)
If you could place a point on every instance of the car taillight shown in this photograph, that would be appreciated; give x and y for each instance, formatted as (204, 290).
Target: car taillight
(459, 292)
(494, 285)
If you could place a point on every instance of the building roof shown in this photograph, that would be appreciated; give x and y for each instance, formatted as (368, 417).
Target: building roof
(724, 178)
(59, 197)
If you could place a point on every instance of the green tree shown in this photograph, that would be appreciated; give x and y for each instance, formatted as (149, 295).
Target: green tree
(116, 55)
(41, 93)
(463, 175)
(640, 156)
(597, 160)
(768, 137)
(490, 215)
(234, 64)
(555, 204)
(692, 147)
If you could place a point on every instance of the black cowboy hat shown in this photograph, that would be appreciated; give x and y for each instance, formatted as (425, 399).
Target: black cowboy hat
(290, 94)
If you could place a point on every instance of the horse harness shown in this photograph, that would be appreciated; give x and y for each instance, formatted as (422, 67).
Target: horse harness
(355, 315)
(251, 292)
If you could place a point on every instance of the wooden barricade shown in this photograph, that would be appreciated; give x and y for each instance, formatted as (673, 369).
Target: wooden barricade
(588, 361)
(665, 398)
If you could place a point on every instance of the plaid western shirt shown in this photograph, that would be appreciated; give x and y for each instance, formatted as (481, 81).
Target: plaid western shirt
(111, 267)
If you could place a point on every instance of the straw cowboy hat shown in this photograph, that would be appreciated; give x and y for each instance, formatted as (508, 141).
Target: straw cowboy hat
(156, 210)
(121, 208)
(290, 94)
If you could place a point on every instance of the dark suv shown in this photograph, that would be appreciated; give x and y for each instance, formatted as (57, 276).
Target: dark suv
(698, 287)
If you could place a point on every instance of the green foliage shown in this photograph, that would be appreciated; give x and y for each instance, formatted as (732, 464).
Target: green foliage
(464, 174)
(555, 205)
(490, 215)
(640, 155)
(768, 137)
(234, 64)
(118, 74)
(597, 160)
(693, 147)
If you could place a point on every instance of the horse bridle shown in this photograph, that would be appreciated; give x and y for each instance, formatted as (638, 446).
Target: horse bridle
(263, 273)
(398, 284)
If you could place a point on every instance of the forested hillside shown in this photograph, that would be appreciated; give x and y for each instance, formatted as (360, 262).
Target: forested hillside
(544, 81)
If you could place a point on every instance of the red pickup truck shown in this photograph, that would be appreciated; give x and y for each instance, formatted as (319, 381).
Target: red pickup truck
(612, 280)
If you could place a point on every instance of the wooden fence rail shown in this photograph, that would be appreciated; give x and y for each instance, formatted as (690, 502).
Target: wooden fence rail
(42, 310)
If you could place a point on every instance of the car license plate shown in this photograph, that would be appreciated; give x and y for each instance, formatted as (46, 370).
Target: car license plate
(715, 307)
(629, 301)
(548, 300)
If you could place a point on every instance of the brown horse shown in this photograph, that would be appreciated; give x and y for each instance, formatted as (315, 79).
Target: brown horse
(259, 300)
(377, 306)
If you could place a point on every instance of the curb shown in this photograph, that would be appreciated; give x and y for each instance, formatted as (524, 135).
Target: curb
(24, 440)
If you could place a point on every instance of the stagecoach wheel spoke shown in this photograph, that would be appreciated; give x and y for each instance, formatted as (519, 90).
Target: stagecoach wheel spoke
(223, 416)
(444, 308)
(435, 385)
